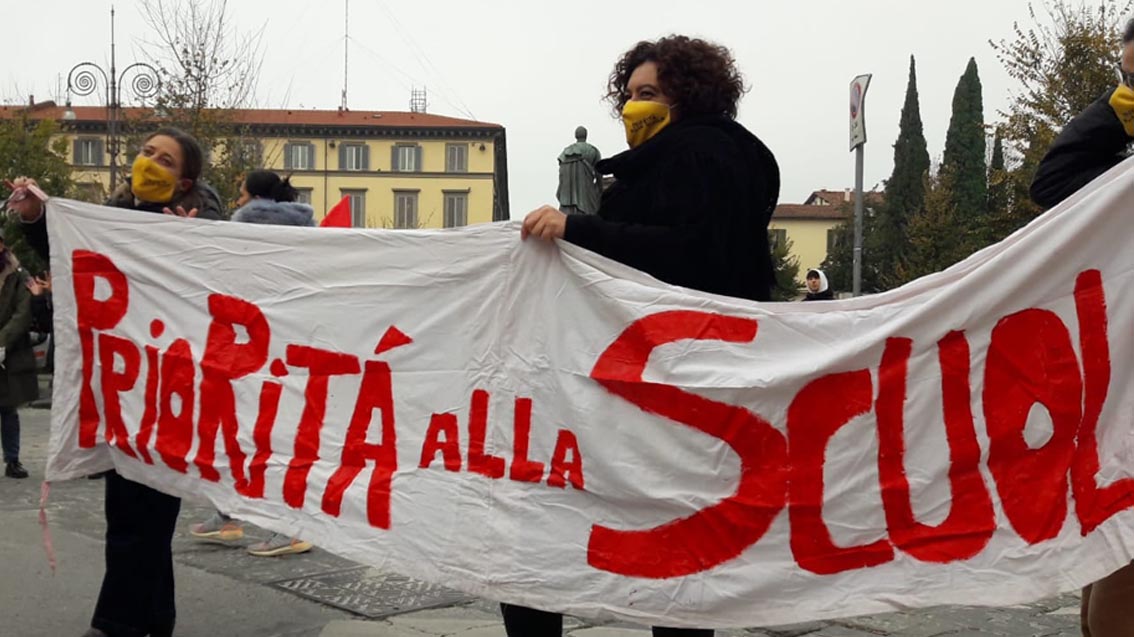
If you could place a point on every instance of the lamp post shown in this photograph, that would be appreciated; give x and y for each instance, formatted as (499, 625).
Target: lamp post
(83, 79)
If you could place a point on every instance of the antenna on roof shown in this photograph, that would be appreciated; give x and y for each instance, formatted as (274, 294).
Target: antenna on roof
(418, 101)
(346, 53)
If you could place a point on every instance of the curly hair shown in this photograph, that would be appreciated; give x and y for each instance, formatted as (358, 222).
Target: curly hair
(699, 76)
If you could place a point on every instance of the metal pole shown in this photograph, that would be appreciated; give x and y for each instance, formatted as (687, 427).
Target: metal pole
(858, 206)
(112, 110)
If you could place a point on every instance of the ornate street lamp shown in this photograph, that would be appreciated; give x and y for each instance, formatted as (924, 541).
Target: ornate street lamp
(83, 79)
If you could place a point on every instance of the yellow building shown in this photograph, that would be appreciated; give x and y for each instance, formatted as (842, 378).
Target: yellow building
(399, 170)
(812, 227)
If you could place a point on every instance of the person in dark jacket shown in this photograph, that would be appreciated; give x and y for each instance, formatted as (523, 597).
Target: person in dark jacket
(1093, 142)
(690, 203)
(818, 289)
(137, 597)
(18, 382)
(693, 196)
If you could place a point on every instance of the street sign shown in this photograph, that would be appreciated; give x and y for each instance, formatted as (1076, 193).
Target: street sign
(857, 117)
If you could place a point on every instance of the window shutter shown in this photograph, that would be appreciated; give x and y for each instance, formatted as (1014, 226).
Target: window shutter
(288, 162)
(75, 156)
(418, 152)
(366, 156)
(100, 154)
(310, 157)
(342, 157)
(394, 158)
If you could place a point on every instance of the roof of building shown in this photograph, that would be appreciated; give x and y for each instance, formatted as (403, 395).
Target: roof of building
(266, 117)
(838, 197)
(804, 211)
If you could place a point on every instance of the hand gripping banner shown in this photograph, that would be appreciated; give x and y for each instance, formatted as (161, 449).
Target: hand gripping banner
(536, 424)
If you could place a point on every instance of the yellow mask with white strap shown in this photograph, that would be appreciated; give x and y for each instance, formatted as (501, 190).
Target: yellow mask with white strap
(151, 181)
(643, 120)
(1122, 101)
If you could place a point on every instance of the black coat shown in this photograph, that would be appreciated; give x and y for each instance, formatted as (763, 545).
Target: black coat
(19, 383)
(825, 295)
(1091, 144)
(690, 207)
(202, 197)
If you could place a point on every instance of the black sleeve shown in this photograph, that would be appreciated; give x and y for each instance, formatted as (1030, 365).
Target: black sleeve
(696, 191)
(1090, 145)
(35, 234)
(41, 311)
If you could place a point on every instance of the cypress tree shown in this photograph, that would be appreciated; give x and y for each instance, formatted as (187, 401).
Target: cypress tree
(999, 197)
(905, 190)
(964, 160)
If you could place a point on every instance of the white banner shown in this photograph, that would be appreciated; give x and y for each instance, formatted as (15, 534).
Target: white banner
(536, 424)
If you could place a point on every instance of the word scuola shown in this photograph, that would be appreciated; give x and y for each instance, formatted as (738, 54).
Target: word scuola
(1031, 360)
(171, 387)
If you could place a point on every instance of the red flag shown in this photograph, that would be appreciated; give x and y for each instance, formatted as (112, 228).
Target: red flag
(338, 216)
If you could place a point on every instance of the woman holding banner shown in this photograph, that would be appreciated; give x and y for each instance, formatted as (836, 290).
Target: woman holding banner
(691, 200)
(137, 596)
(1095, 141)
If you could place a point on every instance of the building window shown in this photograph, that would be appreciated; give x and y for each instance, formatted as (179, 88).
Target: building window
(834, 238)
(406, 159)
(405, 210)
(777, 237)
(303, 195)
(357, 207)
(299, 156)
(88, 151)
(456, 158)
(354, 157)
(456, 209)
(247, 153)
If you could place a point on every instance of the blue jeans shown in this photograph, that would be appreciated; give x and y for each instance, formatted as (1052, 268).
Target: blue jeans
(10, 433)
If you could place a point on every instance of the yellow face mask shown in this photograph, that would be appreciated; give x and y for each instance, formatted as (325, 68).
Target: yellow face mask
(151, 181)
(643, 120)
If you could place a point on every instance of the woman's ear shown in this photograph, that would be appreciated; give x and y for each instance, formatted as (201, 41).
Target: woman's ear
(185, 185)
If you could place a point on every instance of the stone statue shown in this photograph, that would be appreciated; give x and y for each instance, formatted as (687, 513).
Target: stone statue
(579, 184)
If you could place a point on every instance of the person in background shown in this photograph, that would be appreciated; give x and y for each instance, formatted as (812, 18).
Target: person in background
(43, 314)
(18, 382)
(267, 199)
(137, 594)
(1092, 143)
(817, 287)
(690, 203)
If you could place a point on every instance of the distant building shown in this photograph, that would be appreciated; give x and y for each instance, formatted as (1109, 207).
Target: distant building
(400, 170)
(812, 226)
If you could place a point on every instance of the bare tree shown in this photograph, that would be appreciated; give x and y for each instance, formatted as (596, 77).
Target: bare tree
(205, 62)
(209, 70)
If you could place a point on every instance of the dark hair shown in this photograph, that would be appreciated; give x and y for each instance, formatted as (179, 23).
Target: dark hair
(193, 160)
(1128, 34)
(268, 185)
(812, 274)
(700, 77)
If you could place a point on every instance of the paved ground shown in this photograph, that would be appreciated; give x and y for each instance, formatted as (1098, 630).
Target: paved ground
(222, 591)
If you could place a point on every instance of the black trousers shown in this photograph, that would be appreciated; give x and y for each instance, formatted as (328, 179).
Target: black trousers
(137, 591)
(520, 621)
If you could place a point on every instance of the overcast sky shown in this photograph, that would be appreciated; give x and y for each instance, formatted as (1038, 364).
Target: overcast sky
(539, 68)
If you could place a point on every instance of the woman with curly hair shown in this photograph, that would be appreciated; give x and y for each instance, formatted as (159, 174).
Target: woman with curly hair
(690, 203)
(692, 197)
